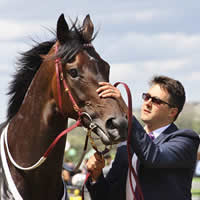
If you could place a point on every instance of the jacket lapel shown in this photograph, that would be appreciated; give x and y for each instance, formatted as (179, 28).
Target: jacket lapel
(165, 133)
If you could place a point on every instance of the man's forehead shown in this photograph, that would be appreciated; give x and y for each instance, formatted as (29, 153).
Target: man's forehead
(157, 90)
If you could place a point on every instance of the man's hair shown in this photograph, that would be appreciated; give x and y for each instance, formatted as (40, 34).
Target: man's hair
(174, 88)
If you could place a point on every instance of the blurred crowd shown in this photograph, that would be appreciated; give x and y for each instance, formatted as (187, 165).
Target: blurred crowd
(75, 180)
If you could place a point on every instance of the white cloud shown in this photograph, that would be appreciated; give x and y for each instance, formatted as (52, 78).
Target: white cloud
(130, 16)
(192, 76)
(163, 66)
(143, 69)
(11, 29)
(133, 46)
(177, 42)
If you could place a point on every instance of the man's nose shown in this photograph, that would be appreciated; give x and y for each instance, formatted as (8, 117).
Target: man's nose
(148, 102)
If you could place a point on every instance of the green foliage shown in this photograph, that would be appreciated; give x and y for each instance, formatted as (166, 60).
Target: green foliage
(190, 117)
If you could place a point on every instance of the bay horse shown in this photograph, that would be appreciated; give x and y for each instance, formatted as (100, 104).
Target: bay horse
(40, 105)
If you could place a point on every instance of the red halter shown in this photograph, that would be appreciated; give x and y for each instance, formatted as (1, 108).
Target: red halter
(132, 171)
(59, 78)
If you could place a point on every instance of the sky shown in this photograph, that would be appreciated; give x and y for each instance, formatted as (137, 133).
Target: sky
(138, 38)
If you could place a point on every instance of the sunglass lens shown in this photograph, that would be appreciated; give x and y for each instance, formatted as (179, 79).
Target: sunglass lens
(146, 96)
(156, 101)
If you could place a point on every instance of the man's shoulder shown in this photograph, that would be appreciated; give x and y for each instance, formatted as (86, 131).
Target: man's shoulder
(186, 133)
(174, 130)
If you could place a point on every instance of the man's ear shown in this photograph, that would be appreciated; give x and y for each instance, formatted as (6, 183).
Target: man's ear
(173, 112)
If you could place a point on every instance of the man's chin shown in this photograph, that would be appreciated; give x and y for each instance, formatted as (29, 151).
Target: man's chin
(145, 119)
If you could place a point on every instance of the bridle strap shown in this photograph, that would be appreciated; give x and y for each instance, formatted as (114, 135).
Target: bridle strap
(58, 81)
(60, 77)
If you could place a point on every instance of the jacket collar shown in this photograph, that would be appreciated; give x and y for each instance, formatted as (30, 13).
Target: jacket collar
(165, 133)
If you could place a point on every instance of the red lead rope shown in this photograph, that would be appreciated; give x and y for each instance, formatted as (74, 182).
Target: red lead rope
(48, 151)
(59, 78)
(132, 171)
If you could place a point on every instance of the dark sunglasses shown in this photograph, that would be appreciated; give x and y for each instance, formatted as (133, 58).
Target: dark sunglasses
(147, 96)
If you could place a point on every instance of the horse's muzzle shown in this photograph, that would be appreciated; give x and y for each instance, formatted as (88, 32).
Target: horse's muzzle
(111, 131)
(117, 129)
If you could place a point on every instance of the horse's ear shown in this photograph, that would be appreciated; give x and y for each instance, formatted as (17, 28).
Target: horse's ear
(88, 28)
(62, 29)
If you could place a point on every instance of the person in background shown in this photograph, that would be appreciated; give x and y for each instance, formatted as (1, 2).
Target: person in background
(79, 178)
(67, 172)
(163, 156)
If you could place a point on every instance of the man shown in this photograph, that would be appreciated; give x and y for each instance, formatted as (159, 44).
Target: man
(165, 164)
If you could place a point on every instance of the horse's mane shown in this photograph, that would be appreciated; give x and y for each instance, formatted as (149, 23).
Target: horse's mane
(30, 62)
(27, 67)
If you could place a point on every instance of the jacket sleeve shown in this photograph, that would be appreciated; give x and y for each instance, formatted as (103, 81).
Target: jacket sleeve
(177, 150)
(113, 186)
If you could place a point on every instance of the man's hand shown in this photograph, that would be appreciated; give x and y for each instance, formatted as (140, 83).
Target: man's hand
(95, 165)
(108, 90)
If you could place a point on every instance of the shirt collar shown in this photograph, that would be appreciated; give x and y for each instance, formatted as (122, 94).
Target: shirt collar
(158, 131)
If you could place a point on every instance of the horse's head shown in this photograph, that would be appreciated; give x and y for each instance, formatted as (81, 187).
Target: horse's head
(82, 69)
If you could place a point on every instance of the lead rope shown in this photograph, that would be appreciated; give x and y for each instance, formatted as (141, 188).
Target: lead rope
(45, 155)
(106, 150)
(132, 171)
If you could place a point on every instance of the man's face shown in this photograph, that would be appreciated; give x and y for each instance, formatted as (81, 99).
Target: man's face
(156, 115)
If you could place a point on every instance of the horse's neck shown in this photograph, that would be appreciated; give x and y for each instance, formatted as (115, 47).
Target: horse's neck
(31, 131)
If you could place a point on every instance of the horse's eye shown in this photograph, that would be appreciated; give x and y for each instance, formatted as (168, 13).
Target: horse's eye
(73, 73)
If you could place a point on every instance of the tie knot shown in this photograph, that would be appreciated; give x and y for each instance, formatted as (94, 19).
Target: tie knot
(151, 136)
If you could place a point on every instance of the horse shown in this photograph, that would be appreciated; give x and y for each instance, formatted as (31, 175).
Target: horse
(41, 103)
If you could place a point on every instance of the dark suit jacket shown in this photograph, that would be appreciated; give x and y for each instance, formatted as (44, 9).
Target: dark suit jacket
(166, 166)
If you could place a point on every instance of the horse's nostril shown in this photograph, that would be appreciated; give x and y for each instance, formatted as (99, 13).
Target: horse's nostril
(110, 124)
(117, 128)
